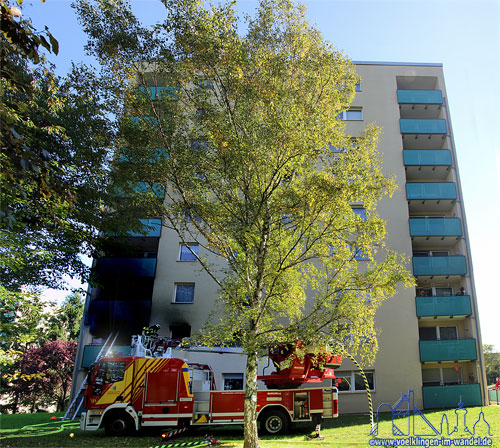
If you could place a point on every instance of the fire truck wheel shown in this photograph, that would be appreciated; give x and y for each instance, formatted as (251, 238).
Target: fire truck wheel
(274, 421)
(118, 424)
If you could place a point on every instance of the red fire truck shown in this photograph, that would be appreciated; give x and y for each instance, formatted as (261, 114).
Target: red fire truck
(129, 392)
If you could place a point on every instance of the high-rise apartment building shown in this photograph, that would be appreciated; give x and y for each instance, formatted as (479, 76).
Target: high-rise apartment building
(430, 340)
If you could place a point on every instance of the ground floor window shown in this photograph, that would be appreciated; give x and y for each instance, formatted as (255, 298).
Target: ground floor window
(232, 381)
(352, 381)
(442, 376)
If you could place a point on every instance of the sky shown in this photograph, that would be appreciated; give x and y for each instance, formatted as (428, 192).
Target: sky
(463, 35)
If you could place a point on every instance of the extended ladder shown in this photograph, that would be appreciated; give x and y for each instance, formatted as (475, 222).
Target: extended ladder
(77, 402)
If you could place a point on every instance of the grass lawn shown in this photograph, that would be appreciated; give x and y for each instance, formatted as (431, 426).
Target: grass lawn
(345, 431)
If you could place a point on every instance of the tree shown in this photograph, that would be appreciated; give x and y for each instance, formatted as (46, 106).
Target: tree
(43, 375)
(65, 323)
(492, 363)
(54, 160)
(29, 323)
(238, 128)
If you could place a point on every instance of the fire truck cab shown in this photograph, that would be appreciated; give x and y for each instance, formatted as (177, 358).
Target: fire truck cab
(130, 392)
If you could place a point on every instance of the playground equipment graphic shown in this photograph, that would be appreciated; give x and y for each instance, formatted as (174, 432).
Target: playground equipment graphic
(405, 407)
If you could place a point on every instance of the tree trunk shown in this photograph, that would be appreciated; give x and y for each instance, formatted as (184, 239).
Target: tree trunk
(251, 439)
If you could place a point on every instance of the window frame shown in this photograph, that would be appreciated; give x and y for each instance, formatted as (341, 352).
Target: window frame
(437, 331)
(176, 285)
(191, 245)
(233, 376)
(344, 115)
(352, 387)
(441, 377)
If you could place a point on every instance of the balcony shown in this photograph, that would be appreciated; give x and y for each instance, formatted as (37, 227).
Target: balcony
(427, 163)
(420, 97)
(431, 196)
(422, 126)
(448, 350)
(159, 93)
(446, 306)
(90, 353)
(423, 133)
(152, 228)
(420, 103)
(123, 267)
(452, 266)
(440, 232)
(450, 396)
(127, 316)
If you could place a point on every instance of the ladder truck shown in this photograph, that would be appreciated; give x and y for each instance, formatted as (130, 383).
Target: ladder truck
(126, 393)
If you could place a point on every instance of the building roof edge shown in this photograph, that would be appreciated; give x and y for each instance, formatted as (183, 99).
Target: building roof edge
(425, 64)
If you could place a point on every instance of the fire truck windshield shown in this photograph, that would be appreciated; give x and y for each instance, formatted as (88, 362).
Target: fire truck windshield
(108, 372)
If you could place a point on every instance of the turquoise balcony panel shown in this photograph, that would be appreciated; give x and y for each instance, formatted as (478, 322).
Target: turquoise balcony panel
(144, 121)
(159, 92)
(450, 396)
(431, 266)
(448, 350)
(426, 157)
(142, 189)
(152, 228)
(138, 267)
(431, 190)
(90, 353)
(422, 126)
(443, 306)
(146, 155)
(420, 97)
(435, 227)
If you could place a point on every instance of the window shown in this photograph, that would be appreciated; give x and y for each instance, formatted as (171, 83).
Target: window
(185, 253)
(431, 253)
(199, 143)
(109, 372)
(351, 115)
(449, 333)
(358, 87)
(442, 376)
(361, 212)
(353, 381)
(180, 331)
(191, 216)
(206, 84)
(360, 254)
(442, 291)
(334, 148)
(184, 293)
(232, 381)
(285, 218)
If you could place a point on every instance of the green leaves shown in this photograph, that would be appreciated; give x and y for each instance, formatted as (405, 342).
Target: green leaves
(275, 202)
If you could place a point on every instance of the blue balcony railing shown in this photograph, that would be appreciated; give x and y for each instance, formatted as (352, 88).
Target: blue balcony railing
(138, 267)
(431, 266)
(422, 126)
(90, 353)
(431, 190)
(142, 189)
(159, 92)
(451, 396)
(435, 227)
(427, 157)
(448, 350)
(420, 97)
(443, 306)
(152, 228)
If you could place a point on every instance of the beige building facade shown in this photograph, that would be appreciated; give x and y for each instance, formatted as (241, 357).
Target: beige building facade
(429, 335)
